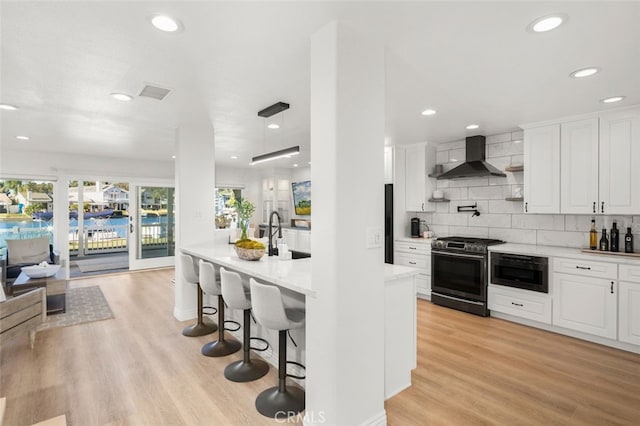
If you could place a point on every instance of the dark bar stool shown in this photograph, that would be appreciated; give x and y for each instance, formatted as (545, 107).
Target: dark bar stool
(210, 283)
(203, 326)
(279, 401)
(237, 297)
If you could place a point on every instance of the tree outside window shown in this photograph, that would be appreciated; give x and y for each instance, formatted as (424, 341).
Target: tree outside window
(225, 211)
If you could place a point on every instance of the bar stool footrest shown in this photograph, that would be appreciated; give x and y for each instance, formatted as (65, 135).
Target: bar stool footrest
(260, 339)
(236, 323)
(293, 375)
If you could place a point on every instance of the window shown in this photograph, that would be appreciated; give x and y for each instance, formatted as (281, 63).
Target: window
(225, 215)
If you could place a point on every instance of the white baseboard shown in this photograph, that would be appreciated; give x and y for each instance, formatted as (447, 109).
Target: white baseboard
(379, 419)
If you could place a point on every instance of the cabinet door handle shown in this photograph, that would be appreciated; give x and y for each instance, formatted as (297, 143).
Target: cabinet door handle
(526, 207)
(588, 268)
(594, 206)
(602, 208)
(611, 287)
(413, 248)
(412, 263)
(517, 304)
(423, 206)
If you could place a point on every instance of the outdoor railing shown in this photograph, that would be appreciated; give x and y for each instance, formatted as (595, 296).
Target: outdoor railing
(102, 239)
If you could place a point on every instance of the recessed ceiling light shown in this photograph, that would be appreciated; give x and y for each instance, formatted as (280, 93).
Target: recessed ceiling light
(295, 165)
(547, 23)
(23, 138)
(518, 141)
(166, 23)
(234, 157)
(173, 156)
(273, 126)
(472, 126)
(584, 72)
(122, 97)
(429, 111)
(612, 99)
(309, 163)
(453, 160)
(8, 107)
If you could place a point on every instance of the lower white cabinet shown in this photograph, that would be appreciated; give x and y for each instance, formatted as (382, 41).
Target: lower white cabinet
(416, 255)
(296, 239)
(521, 303)
(585, 304)
(304, 241)
(629, 304)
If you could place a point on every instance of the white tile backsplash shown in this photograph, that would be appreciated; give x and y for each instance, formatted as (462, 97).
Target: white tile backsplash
(518, 236)
(551, 222)
(563, 238)
(502, 137)
(503, 219)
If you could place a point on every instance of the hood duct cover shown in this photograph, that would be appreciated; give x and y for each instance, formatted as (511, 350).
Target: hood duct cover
(475, 164)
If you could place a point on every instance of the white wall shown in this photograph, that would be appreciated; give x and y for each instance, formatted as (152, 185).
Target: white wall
(502, 219)
(28, 163)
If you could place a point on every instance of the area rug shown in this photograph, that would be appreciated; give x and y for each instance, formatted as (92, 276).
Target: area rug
(84, 304)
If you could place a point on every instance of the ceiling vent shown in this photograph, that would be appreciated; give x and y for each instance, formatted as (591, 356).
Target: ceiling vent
(154, 92)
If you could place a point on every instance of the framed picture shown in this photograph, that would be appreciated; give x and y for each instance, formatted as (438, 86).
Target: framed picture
(302, 197)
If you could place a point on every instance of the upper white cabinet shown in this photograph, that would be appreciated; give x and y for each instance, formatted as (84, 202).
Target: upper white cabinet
(419, 160)
(579, 166)
(585, 166)
(542, 169)
(415, 178)
(619, 162)
(388, 164)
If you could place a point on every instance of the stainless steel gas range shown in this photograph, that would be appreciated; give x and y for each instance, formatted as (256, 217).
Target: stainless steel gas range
(459, 273)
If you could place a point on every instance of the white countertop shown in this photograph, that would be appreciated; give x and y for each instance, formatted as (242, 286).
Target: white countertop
(420, 240)
(294, 275)
(571, 252)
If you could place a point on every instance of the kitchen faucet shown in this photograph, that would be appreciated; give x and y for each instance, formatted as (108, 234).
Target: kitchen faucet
(274, 250)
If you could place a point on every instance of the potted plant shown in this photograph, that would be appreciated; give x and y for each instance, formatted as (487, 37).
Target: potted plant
(245, 248)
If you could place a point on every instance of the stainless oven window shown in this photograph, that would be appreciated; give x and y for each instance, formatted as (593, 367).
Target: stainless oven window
(460, 275)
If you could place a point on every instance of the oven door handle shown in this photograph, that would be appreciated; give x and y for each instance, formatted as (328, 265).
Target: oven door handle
(467, 256)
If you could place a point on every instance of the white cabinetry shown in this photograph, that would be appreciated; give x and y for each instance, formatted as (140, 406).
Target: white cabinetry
(629, 304)
(522, 303)
(584, 166)
(579, 166)
(416, 255)
(542, 169)
(584, 300)
(415, 178)
(297, 239)
(419, 160)
(619, 159)
(276, 197)
(388, 164)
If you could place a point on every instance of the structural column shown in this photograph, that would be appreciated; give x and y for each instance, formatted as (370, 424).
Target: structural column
(195, 195)
(345, 350)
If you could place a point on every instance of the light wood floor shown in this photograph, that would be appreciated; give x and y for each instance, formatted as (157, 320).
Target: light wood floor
(137, 369)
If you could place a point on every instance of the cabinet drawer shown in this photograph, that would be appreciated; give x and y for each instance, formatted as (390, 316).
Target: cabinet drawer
(422, 248)
(587, 268)
(630, 273)
(521, 303)
(413, 260)
(423, 284)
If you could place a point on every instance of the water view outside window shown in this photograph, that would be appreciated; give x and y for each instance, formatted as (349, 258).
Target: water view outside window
(26, 210)
(157, 222)
(226, 216)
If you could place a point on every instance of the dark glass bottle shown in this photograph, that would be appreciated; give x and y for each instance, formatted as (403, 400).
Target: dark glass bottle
(604, 241)
(593, 236)
(628, 241)
(615, 237)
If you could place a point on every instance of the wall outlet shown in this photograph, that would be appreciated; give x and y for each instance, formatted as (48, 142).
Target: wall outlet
(374, 237)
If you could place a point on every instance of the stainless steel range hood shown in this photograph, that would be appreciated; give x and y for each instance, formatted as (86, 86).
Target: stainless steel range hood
(475, 164)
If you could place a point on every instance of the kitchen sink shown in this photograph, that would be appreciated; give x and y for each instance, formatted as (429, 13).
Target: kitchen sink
(299, 254)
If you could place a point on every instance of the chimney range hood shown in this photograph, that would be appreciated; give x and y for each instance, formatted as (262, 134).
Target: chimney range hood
(475, 164)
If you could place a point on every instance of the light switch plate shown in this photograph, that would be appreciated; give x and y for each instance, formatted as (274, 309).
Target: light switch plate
(374, 237)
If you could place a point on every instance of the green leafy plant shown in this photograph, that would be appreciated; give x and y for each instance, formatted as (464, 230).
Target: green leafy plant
(244, 209)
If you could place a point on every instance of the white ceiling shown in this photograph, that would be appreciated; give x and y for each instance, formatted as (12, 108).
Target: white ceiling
(471, 61)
